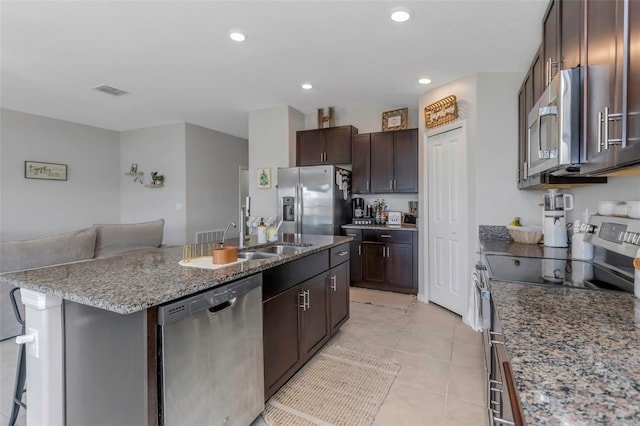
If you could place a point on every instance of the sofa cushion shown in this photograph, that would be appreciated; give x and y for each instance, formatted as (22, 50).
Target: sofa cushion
(65, 248)
(29, 254)
(116, 239)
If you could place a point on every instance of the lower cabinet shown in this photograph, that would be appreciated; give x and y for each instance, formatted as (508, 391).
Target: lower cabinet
(304, 303)
(388, 261)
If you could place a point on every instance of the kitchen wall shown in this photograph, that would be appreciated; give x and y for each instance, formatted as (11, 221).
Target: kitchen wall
(213, 179)
(272, 139)
(31, 208)
(161, 149)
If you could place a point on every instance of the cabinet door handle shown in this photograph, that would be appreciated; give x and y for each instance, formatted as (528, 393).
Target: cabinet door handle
(383, 252)
(391, 184)
(343, 253)
(367, 185)
(334, 286)
(388, 252)
(606, 127)
(395, 184)
(304, 303)
(600, 119)
(359, 250)
(308, 299)
(385, 235)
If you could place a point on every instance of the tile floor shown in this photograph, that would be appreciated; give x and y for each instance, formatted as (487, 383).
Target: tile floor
(441, 381)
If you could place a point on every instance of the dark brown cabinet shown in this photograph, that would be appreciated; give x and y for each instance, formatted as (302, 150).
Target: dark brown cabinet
(330, 145)
(360, 163)
(338, 296)
(282, 355)
(314, 330)
(304, 303)
(551, 41)
(571, 22)
(356, 253)
(394, 162)
(612, 81)
(389, 261)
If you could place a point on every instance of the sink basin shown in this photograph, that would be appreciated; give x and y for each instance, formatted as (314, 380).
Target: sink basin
(279, 249)
(256, 255)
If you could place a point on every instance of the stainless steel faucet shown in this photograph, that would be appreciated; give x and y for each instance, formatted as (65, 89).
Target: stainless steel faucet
(224, 236)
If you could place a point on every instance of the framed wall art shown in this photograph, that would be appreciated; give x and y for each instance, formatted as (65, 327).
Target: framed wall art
(394, 120)
(264, 178)
(47, 171)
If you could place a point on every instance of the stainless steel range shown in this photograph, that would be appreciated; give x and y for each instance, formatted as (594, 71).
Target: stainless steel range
(616, 242)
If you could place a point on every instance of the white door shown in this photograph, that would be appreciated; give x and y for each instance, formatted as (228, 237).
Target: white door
(447, 218)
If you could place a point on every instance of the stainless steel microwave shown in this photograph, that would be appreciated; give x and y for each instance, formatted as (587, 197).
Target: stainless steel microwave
(553, 137)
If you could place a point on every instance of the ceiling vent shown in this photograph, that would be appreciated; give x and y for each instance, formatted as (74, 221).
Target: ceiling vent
(110, 90)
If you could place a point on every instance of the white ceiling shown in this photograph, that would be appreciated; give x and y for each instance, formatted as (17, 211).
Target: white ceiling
(179, 65)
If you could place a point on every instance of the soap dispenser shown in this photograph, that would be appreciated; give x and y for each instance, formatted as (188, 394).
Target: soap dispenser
(262, 232)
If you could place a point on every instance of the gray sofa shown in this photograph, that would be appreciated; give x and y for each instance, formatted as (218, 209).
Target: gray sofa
(95, 242)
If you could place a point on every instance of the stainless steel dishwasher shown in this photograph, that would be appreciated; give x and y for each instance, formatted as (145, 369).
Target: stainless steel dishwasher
(210, 356)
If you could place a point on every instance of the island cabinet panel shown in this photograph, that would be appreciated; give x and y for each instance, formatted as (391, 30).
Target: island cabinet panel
(282, 355)
(301, 310)
(338, 288)
(355, 248)
(314, 320)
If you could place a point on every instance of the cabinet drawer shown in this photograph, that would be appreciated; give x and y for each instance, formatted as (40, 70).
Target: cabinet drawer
(339, 254)
(355, 233)
(280, 278)
(387, 236)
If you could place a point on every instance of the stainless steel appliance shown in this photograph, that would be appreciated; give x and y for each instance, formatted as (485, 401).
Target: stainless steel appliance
(358, 207)
(554, 220)
(554, 127)
(211, 356)
(314, 199)
(616, 242)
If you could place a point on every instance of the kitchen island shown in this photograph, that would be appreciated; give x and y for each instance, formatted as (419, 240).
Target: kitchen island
(574, 353)
(97, 358)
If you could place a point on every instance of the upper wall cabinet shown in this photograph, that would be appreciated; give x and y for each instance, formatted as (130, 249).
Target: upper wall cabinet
(394, 161)
(330, 145)
(361, 163)
(612, 84)
(551, 41)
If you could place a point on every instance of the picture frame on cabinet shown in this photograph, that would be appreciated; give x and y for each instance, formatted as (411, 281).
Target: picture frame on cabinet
(263, 178)
(47, 171)
(395, 119)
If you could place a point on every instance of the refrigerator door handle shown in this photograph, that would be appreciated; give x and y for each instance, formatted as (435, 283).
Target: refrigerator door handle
(299, 206)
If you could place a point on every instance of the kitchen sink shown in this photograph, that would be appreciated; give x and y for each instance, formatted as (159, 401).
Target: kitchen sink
(279, 249)
(256, 255)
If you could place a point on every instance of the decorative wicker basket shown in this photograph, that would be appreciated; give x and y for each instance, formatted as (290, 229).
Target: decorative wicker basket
(525, 234)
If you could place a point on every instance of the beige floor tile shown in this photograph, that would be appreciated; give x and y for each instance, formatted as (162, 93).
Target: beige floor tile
(467, 354)
(464, 333)
(422, 372)
(355, 344)
(381, 298)
(409, 406)
(390, 317)
(463, 413)
(433, 324)
(467, 383)
(425, 344)
(360, 310)
(378, 335)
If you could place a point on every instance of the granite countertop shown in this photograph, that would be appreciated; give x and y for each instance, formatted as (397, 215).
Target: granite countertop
(575, 354)
(386, 227)
(142, 279)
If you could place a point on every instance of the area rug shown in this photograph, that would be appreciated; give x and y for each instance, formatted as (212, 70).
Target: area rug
(337, 387)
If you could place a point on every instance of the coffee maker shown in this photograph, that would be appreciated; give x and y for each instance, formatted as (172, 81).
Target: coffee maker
(358, 207)
(554, 219)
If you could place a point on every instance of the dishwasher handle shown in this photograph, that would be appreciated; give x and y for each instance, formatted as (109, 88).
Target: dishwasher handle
(214, 300)
(223, 306)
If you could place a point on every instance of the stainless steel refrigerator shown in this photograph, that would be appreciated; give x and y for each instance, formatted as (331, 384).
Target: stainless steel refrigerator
(314, 199)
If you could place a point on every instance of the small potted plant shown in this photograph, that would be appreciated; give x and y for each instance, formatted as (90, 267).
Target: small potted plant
(157, 179)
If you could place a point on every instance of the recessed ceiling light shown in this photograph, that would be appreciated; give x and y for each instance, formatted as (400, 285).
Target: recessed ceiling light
(424, 81)
(307, 86)
(400, 14)
(237, 36)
